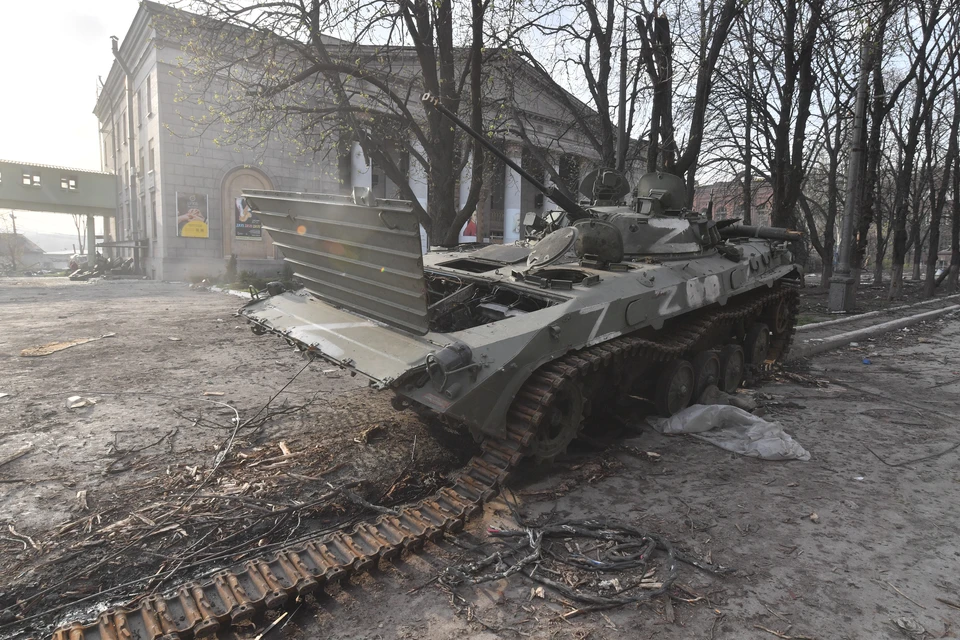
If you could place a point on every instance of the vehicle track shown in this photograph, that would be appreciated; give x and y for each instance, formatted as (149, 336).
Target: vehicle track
(231, 596)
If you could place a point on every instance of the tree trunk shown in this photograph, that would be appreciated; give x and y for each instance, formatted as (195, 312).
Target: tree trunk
(881, 248)
(896, 276)
(442, 209)
(951, 163)
(953, 280)
(902, 200)
(748, 128)
(917, 247)
(869, 205)
(878, 272)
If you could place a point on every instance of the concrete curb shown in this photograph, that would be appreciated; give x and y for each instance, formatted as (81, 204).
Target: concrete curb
(812, 348)
(870, 314)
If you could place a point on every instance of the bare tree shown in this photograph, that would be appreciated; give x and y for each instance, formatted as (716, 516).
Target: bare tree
(323, 74)
(833, 105)
(79, 223)
(938, 177)
(954, 269)
(587, 46)
(13, 248)
(657, 55)
(935, 45)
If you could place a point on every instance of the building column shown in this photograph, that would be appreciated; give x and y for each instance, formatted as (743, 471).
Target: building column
(511, 199)
(418, 184)
(361, 173)
(548, 204)
(466, 180)
(91, 240)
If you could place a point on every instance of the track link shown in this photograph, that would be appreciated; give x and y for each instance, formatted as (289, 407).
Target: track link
(232, 596)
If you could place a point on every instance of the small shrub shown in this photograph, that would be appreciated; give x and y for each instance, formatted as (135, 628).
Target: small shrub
(231, 275)
(251, 279)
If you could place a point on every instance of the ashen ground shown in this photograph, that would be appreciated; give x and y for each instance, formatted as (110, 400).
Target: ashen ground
(885, 546)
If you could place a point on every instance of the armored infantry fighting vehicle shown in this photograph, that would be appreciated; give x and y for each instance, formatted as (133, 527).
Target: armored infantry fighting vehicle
(626, 293)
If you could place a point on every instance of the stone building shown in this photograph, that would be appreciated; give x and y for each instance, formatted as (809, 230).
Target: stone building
(183, 212)
(728, 200)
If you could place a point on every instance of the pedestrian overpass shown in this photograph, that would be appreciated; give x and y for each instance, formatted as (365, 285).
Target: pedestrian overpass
(45, 188)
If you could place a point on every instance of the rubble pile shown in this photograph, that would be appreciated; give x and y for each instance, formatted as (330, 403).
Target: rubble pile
(104, 267)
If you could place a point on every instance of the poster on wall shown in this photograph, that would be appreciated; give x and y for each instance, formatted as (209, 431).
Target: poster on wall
(469, 231)
(246, 220)
(192, 215)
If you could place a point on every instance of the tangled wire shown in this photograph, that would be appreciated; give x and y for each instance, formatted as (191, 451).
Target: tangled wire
(555, 549)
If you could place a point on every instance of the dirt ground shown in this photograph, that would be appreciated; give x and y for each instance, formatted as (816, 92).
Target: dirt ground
(870, 297)
(125, 488)
(882, 550)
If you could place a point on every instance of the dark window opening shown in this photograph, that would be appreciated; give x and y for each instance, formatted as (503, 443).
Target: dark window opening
(31, 178)
(68, 183)
(467, 264)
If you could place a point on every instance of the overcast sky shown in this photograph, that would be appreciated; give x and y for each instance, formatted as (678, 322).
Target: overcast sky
(52, 52)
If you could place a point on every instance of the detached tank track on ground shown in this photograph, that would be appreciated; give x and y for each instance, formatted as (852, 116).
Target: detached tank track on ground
(232, 596)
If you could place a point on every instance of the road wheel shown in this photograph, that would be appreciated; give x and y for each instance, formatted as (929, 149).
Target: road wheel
(674, 387)
(779, 316)
(706, 369)
(561, 423)
(756, 345)
(731, 368)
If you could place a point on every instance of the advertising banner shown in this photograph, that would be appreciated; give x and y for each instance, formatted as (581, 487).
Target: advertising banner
(246, 221)
(192, 215)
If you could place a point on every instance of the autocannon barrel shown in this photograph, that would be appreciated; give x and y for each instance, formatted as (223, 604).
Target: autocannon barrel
(765, 233)
(574, 210)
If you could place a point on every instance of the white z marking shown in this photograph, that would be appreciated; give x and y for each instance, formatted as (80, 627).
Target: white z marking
(668, 306)
(596, 325)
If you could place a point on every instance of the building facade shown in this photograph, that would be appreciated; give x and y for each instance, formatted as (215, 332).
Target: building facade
(182, 177)
(728, 200)
(181, 209)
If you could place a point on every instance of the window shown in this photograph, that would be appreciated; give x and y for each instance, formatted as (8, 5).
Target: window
(149, 96)
(126, 175)
(31, 178)
(140, 167)
(153, 156)
(139, 106)
(117, 136)
(69, 183)
(123, 119)
(153, 213)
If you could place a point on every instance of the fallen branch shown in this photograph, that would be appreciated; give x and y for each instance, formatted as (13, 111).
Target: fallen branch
(904, 595)
(19, 453)
(782, 635)
(905, 463)
(32, 542)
